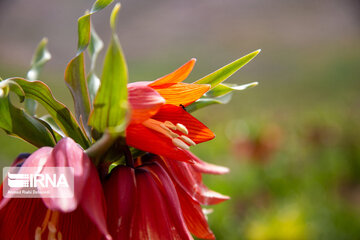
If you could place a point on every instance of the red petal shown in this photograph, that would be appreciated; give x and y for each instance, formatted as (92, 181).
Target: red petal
(181, 93)
(194, 216)
(37, 161)
(198, 132)
(67, 153)
(144, 101)
(20, 218)
(165, 221)
(191, 182)
(178, 75)
(77, 226)
(120, 192)
(93, 202)
(204, 167)
(140, 137)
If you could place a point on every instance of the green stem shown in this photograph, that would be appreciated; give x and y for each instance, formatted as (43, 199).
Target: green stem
(101, 146)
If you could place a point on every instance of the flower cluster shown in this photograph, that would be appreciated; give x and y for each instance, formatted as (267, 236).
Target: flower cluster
(134, 174)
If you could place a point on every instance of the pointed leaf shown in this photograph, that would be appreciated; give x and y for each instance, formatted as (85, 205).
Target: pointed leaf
(40, 92)
(75, 74)
(204, 102)
(17, 122)
(9, 85)
(95, 46)
(77, 83)
(41, 56)
(224, 88)
(225, 72)
(83, 32)
(58, 133)
(100, 4)
(75, 71)
(110, 103)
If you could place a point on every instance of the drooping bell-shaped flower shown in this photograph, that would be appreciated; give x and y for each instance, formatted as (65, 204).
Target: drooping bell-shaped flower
(192, 192)
(82, 216)
(144, 204)
(159, 124)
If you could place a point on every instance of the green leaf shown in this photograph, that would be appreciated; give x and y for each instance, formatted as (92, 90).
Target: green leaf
(7, 86)
(51, 122)
(83, 32)
(100, 4)
(40, 92)
(76, 82)
(204, 102)
(40, 57)
(17, 122)
(225, 72)
(110, 104)
(75, 71)
(95, 47)
(224, 88)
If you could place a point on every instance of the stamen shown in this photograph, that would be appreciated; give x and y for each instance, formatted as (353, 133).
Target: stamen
(52, 231)
(166, 128)
(38, 233)
(182, 128)
(155, 125)
(50, 224)
(187, 140)
(46, 220)
(170, 125)
(177, 142)
(174, 135)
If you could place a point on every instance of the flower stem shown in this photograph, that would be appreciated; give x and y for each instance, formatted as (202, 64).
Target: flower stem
(101, 146)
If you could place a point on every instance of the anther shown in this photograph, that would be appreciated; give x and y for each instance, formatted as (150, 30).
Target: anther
(177, 142)
(51, 227)
(187, 140)
(38, 233)
(182, 128)
(170, 125)
(172, 134)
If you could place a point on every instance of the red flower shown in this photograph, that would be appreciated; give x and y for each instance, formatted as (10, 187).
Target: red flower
(157, 198)
(144, 204)
(80, 217)
(192, 192)
(159, 124)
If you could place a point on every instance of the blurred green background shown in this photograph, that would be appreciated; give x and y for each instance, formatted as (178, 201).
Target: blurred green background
(292, 143)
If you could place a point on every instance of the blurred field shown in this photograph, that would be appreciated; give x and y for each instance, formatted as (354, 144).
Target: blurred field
(292, 143)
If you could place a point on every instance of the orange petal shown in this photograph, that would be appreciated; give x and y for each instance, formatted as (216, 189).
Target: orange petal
(178, 75)
(181, 93)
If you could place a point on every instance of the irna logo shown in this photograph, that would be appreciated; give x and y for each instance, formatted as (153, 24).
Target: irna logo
(30, 182)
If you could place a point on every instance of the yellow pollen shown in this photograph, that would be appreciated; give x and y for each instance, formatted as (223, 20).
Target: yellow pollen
(182, 128)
